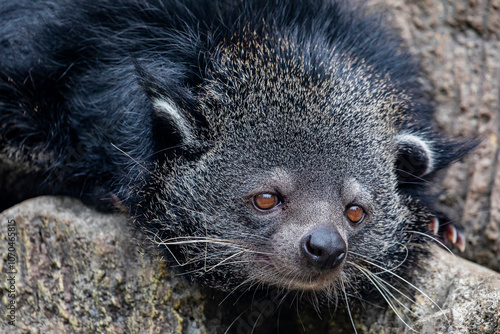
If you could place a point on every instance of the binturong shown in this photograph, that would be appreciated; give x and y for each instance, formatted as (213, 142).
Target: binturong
(254, 144)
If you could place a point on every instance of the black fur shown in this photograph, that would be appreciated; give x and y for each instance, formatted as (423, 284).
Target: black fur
(78, 85)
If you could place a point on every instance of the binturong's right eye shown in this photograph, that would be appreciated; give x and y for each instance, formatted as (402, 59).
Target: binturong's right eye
(266, 201)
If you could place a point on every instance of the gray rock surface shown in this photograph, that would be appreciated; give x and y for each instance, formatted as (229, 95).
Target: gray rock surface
(458, 43)
(466, 296)
(78, 271)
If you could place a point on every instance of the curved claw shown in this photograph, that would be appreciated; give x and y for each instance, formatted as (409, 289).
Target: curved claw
(434, 225)
(450, 234)
(447, 233)
(460, 243)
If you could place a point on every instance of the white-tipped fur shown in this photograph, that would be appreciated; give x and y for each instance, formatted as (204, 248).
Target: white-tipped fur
(417, 141)
(168, 108)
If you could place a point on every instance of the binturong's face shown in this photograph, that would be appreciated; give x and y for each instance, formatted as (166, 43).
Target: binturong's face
(297, 188)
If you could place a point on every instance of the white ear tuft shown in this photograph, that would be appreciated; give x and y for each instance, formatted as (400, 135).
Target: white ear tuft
(415, 155)
(167, 108)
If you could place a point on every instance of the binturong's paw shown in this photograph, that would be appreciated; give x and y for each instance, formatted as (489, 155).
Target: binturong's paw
(447, 233)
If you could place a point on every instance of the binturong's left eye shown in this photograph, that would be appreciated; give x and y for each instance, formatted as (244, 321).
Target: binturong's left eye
(266, 201)
(355, 214)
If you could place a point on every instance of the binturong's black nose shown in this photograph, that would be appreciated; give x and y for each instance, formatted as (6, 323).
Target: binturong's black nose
(323, 248)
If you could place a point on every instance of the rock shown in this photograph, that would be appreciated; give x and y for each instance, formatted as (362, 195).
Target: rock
(458, 44)
(78, 271)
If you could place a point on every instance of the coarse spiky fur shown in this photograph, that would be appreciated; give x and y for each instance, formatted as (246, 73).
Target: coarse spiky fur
(183, 111)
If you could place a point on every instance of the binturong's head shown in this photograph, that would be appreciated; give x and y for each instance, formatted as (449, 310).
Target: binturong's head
(291, 166)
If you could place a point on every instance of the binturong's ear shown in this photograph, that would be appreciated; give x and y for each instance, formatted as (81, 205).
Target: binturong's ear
(415, 157)
(421, 154)
(175, 125)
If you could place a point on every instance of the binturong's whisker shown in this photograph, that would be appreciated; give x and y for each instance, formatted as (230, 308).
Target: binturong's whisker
(347, 305)
(405, 281)
(435, 240)
(381, 263)
(384, 293)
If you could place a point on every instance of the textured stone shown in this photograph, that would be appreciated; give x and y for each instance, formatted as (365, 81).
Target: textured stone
(78, 271)
(458, 43)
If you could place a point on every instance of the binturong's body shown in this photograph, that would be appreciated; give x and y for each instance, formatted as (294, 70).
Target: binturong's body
(253, 143)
